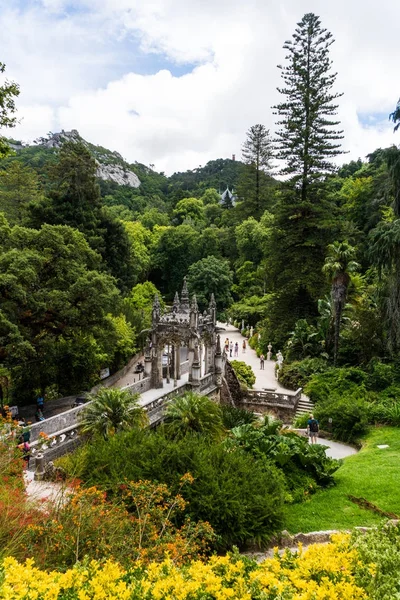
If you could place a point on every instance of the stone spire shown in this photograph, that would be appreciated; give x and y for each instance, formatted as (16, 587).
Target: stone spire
(156, 309)
(212, 309)
(194, 313)
(194, 306)
(176, 302)
(218, 347)
(185, 306)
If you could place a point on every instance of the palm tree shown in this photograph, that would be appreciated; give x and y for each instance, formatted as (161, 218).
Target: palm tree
(112, 410)
(339, 264)
(192, 413)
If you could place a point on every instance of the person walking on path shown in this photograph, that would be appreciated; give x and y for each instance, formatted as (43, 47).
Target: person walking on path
(236, 349)
(230, 349)
(244, 346)
(312, 429)
(262, 358)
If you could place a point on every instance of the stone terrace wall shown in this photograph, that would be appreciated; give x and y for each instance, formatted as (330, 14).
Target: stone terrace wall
(65, 420)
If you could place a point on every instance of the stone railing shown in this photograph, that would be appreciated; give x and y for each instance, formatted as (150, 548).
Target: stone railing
(63, 429)
(109, 381)
(139, 387)
(206, 381)
(57, 424)
(60, 443)
(272, 398)
(155, 408)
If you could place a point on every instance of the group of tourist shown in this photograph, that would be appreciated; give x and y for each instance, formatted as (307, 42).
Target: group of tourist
(232, 349)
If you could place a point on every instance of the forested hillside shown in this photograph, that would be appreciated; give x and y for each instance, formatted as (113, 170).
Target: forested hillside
(311, 259)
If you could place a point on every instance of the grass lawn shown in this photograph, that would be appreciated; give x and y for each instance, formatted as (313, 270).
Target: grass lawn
(373, 474)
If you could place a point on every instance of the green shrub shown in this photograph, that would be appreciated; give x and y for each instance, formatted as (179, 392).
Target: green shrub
(381, 548)
(388, 413)
(253, 341)
(380, 375)
(336, 382)
(193, 413)
(300, 421)
(233, 417)
(287, 450)
(241, 497)
(244, 372)
(296, 374)
(350, 417)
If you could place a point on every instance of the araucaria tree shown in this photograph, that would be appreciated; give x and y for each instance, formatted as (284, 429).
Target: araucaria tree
(308, 139)
(255, 182)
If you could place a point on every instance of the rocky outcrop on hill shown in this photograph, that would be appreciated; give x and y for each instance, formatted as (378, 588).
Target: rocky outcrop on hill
(110, 165)
(117, 174)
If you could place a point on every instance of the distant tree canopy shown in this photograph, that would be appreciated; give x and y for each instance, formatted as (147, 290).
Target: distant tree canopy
(82, 258)
(211, 276)
(254, 184)
(8, 92)
(54, 309)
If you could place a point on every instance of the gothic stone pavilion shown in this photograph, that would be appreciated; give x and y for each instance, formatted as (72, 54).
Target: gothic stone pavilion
(183, 327)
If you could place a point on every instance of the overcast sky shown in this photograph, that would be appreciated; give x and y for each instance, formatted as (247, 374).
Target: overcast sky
(176, 83)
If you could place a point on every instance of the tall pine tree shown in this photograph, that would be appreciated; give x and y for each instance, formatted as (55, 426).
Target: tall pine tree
(307, 140)
(255, 183)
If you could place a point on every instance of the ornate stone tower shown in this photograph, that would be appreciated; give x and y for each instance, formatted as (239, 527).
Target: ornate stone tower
(182, 327)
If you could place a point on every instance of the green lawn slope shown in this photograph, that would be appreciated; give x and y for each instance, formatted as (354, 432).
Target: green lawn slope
(373, 474)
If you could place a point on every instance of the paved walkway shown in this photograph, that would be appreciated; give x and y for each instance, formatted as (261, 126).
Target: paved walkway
(264, 378)
(155, 394)
(130, 377)
(336, 449)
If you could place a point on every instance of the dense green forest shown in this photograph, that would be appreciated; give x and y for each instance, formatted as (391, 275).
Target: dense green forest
(312, 259)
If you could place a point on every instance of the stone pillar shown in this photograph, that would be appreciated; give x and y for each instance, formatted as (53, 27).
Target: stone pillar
(168, 365)
(156, 367)
(206, 358)
(147, 360)
(178, 361)
(39, 466)
(218, 363)
(212, 353)
(201, 358)
(191, 356)
(196, 368)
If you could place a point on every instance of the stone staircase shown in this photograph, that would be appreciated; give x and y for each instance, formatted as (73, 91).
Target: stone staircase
(304, 406)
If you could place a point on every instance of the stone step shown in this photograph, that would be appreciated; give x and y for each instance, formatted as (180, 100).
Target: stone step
(305, 406)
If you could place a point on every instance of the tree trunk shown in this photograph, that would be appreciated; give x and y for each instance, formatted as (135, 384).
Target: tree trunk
(339, 293)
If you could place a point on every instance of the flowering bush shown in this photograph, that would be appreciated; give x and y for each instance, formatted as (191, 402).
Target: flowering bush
(87, 525)
(15, 515)
(324, 572)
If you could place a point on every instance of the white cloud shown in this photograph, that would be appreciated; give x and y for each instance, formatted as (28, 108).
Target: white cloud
(58, 55)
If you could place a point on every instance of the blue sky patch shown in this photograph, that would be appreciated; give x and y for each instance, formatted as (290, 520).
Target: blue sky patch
(373, 119)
